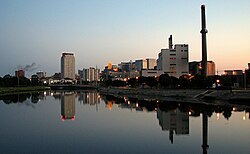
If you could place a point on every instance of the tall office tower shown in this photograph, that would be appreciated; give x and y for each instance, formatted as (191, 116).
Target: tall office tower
(68, 66)
(174, 61)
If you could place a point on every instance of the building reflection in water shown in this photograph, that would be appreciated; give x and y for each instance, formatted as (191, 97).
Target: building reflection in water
(91, 98)
(68, 106)
(174, 121)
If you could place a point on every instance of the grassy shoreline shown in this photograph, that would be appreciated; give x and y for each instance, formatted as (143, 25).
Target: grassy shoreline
(14, 90)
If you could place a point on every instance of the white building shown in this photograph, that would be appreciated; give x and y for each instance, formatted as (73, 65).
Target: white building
(68, 66)
(41, 74)
(174, 61)
(91, 74)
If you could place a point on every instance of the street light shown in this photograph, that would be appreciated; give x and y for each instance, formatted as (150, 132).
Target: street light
(217, 83)
(245, 80)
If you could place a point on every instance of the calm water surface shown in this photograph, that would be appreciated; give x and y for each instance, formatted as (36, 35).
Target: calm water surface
(85, 122)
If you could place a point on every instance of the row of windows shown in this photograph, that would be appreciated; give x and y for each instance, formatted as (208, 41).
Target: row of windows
(152, 72)
(169, 72)
(184, 50)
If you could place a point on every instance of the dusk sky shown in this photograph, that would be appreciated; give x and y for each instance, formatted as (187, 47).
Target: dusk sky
(36, 32)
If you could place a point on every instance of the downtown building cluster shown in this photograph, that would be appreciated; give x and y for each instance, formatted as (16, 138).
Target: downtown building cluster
(173, 61)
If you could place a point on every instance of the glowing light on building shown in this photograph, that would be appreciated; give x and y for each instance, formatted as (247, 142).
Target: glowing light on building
(218, 116)
(109, 65)
(110, 105)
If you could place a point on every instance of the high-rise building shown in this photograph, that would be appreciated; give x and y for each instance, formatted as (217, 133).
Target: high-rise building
(151, 63)
(91, 74)
(145, 64)
(140, 64)
(126, 66)
(174, 61)
(68, 66)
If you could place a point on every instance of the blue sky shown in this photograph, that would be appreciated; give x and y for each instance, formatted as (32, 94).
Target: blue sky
(99, 31)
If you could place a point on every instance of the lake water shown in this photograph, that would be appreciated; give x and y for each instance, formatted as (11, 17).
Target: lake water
(86, 122)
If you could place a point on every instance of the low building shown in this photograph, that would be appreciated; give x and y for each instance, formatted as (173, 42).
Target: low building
(195, 68)
(237, 77)
(41, 74)
(20, 73)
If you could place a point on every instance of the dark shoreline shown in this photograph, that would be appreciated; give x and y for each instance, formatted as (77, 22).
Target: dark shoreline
(185, 95)
(18, 90)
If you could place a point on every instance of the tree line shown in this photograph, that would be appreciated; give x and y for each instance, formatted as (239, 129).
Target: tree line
(166, 81)
(13, 81)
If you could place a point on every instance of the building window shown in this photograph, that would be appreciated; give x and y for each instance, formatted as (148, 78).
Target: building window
(152, 72)
(172, 54)
(172, 50)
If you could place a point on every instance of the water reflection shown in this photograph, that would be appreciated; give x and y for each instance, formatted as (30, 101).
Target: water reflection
(173, 117)
(174, 121)
(204, 133)
(91, 98)
(68, 106)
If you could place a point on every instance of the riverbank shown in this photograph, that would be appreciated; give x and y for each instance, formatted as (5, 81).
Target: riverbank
(14, 90)
(190, 95)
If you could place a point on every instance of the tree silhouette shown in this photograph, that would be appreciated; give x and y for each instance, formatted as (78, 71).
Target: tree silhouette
(164, 80)
(151, 82)
(132, 82)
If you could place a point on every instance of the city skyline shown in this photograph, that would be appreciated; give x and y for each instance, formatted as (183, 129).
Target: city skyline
(99, 32)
